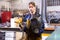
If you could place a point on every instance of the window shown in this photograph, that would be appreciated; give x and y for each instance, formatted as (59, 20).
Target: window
(53, 2)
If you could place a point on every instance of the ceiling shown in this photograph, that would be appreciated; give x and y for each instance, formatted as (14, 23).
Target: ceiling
(9, 0)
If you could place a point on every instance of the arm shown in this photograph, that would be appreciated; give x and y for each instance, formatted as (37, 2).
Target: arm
(42, 27)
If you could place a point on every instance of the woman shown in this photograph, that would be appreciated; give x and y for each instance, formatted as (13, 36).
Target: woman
(33, 15)
(33, 12)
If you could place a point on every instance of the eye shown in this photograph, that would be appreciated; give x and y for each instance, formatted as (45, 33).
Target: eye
(30, 6)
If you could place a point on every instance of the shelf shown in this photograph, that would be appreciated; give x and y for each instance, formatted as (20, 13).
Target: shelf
(49, 29)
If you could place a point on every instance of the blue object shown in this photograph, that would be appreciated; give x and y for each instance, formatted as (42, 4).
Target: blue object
(54, 35)
(28, 16)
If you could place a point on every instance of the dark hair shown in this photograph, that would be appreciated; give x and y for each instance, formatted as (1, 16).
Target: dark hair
(33, 3)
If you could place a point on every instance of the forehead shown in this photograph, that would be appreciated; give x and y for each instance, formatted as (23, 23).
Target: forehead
(30, 5)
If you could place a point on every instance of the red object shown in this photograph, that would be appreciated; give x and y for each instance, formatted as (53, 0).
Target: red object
(6, 16)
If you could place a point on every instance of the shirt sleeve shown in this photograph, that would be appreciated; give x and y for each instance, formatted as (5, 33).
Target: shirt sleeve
(28, 16)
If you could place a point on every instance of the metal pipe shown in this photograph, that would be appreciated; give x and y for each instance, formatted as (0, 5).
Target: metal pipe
(44, 14)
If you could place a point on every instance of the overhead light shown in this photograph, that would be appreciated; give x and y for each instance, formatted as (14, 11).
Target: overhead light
(10, 0)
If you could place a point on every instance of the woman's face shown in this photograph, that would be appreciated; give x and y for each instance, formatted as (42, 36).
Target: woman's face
(31, 8)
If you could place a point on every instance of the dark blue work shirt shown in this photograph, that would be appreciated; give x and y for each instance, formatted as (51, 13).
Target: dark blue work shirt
(41, 28)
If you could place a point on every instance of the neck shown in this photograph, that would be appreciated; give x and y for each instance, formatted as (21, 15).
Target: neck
(33, 12)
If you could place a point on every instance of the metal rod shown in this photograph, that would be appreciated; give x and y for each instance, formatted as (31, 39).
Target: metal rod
(11, 29)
